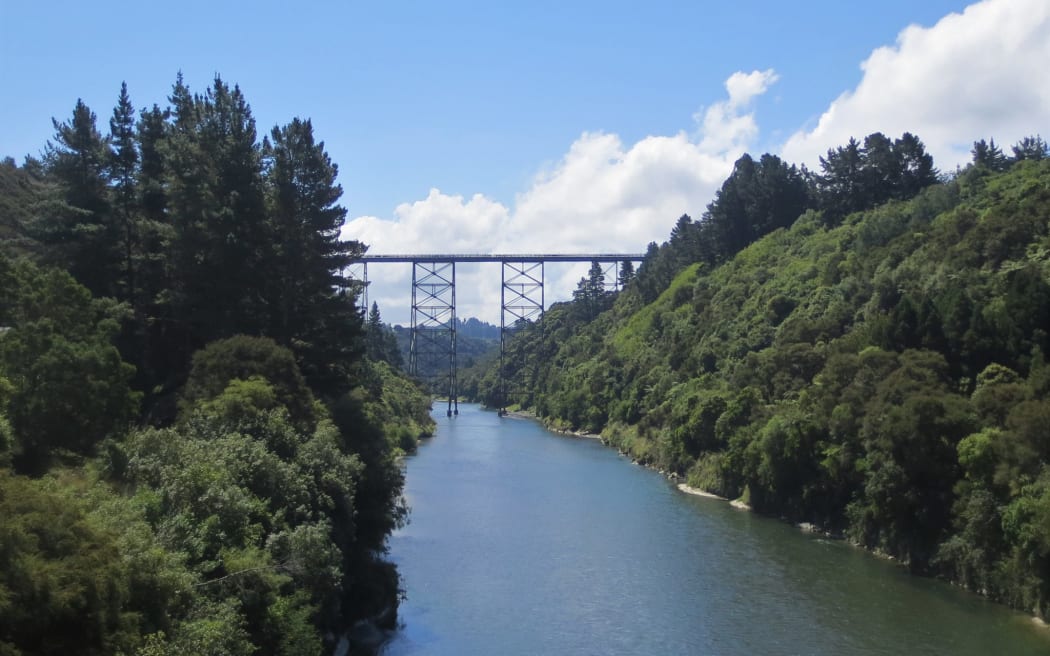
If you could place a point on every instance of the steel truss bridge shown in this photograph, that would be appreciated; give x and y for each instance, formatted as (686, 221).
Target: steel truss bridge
(432, 356)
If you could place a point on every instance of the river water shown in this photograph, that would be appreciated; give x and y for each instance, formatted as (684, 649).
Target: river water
(526, 542)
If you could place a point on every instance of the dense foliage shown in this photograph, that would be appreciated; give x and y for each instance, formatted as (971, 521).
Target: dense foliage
(875, 364)
(196, 455)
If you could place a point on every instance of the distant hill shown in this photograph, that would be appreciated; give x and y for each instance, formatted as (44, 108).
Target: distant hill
(477, 329)
(474, 340)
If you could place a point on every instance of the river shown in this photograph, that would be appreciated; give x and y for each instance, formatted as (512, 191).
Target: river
(526, 542)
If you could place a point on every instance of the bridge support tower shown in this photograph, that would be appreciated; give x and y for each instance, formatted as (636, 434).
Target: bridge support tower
(522, 303)
(432, 357)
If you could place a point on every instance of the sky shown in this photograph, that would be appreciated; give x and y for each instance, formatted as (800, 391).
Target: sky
(543, 126)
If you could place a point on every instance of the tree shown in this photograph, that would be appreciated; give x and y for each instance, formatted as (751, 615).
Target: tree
(1031, 148)
(857, 178)
(916, 166)
(22, 192)
(221, 241)
(312, 307)
(81, 236)
(654, 273)
(152, 131)
(626, 274)
(881, 170)
(595, 283)
(590, 294)
(988, 155)
(911, 431)
(380, 340)
(757, 198)
(64, 581)
(684, 243)
(70, 387)
(839, 183)
(160, 346)
(242, 357)
(374, 319)
(121, 170)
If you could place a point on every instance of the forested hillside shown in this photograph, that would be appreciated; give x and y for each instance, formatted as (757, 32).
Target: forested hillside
(196, 455)
(863, 348)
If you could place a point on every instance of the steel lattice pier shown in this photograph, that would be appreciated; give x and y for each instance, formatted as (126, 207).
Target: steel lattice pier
(432, 354)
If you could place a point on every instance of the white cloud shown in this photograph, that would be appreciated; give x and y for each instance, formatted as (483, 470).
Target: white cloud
(440, 223)
(973, 75)
(437, 224)
(601, 196)
(724, 128)
(744, 87)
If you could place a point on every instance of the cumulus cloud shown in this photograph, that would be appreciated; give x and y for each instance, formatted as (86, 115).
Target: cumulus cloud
(972, 75)
(440, 223)
(724, 127)
(601, 196)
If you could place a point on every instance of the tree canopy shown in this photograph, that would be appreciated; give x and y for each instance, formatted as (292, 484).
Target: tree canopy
(196, 456)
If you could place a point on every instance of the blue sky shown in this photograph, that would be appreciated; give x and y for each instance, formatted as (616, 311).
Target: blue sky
(464, 96)
(458, 124)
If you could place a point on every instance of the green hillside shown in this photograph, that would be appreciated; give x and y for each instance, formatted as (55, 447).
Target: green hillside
(879, 373)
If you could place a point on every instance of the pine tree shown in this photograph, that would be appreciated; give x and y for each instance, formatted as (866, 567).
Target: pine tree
(151, 133)
(1031, 148)
(654, 273)
(626, 274)
(881, 170)
(990, 156)
(184, 177)
(184, 106)
(155, 233)
(857, 178)
(122, 169)
(916, 166)
(81, 236)
(221, 241)
(684, 243)
(311, 306)
(757, 198)
(237, 230)
(839, 184)
(380, 341)
(590, 294)
(162, 338)
(374, 320)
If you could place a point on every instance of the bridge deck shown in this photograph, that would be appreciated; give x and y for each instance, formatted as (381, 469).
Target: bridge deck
(508, 257)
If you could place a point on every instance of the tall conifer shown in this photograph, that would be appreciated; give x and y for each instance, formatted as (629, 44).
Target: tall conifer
(82, 236)
(312, 308)
(122, 163)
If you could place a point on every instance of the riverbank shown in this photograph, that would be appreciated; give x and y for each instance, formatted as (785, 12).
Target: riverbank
(805, 527)
(697, 492)
(522, 542)
(736, 503)
(552, 426)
